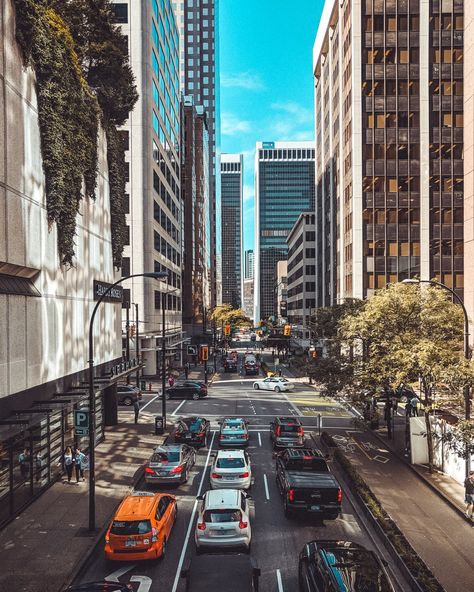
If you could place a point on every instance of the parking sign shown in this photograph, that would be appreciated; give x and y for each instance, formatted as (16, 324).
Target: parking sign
(81, 422)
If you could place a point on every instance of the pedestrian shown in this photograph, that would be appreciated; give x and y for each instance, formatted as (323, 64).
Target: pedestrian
(414, 406)
(24, 460)
(394, 405)
(38, 465)
(170, 380)
(279, 372)
(68, 460)
(136, 409)
(186, 370)
(79, 461)
(469, 496)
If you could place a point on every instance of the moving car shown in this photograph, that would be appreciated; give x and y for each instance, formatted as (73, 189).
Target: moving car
(273, 383)
(306, 484)
(231, 469)
(340, 566)
(141, 527)
(287, 432)
(170, 463)
(235, 572)
(250, 364)
(127, 394)
(234, 432)
(193, 431)
(103, 586)
(223, 520)
(187, 389)
(230, 365)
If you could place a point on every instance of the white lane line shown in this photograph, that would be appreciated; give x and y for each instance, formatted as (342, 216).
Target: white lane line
(191, 520)
(267, 493)
(150, 401)
(259, 439)
(293, 406)
(280, 583)
(178, 407)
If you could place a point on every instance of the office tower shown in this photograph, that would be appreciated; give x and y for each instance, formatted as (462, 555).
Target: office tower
(199, 78)
(284, 187)
(248, 297)
(195, 199)
(301, 282)
(231, 224)
(389, 145)
(152, 134)
(281, 292)
(249, 265)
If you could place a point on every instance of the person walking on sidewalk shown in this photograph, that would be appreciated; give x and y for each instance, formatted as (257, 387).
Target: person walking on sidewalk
(414, 406)
(68, 459)
(24, 460)
(469, 496)
(136, 409)
(79, 460)
(170, 380)
(186, 370)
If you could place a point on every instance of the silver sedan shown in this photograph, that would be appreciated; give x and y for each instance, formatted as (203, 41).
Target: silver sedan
(170, 464)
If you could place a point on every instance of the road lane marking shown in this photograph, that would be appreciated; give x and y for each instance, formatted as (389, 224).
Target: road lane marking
(176, 410)
(191, 520)
(150, 401)
(280, 583)
(293, 406)
(114, 576)
(267, 493)
(259, 439)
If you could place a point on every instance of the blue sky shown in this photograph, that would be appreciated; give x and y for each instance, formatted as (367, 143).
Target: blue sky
(266, 79)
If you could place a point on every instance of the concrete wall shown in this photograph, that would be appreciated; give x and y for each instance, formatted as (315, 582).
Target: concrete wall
(42, 339)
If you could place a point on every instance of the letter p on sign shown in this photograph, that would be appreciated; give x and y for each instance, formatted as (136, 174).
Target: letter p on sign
(81, 422)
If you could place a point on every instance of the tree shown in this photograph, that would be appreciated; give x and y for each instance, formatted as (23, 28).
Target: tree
(226, 313)
(406, 333)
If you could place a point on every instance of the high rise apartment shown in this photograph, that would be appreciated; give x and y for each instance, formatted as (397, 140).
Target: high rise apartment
(199, 78)
(231, 224)
(152, 133)
(284, 187)
(249, 265)
(389, 145)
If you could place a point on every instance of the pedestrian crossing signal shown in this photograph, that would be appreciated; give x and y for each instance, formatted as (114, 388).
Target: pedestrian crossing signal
(226, 330)
(287, 330)
(314, 354)
(204, 353)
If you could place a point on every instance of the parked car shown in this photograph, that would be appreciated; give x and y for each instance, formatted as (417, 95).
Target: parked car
(232, 572)
(223, 520)
(187, 389)
(231, 469)
(234, 432)
(340, 566)
(170, 463)
(230, 365)
(273, 383)
(193, 431)
(287, 432)
(306, 484)
(141, 527)
(127, 394)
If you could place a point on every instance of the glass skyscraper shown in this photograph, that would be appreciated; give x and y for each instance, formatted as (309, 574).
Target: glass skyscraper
(284, 187)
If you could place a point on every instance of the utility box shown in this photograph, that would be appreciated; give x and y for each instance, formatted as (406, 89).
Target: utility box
(159, 425)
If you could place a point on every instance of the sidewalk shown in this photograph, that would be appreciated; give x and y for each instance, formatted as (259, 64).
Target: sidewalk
(44, 547)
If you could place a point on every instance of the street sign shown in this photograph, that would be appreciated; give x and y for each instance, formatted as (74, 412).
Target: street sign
(192, 350)
(81, 422)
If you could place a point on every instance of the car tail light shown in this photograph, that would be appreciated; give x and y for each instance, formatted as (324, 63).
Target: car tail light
(246, 436)
(107, 540)
(243, 524)
(244, 475)
(278, 431)
(201, 525)
(149, 471)
(300, 431)
(291, 495)
(154, 535)
(221, 437)
(176, 470)
(216, 476)
(201, 434)
(339, 495)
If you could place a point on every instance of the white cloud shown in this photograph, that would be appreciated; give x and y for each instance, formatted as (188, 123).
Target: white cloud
(232, 125)
(245, 80)
(299, 113)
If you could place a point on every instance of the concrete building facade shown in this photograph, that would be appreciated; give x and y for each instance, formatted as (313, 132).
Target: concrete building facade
(301, 282)
(248, 297)
(284, 187)
(232, 228)
(155, 216)
(389, 145)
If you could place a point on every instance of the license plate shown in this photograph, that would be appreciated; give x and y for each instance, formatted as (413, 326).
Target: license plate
(161, 473)
(228, 477)
(130, 543)
(315, 508)
(188, 437)
(221, 532)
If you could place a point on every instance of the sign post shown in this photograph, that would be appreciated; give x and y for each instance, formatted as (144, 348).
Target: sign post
(81, 422)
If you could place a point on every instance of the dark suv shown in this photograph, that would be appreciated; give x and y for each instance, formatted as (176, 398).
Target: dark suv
(337, 566)
(287, 432)
(187, 389)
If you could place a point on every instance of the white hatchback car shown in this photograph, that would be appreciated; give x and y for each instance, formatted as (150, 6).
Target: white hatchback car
(223, 520)
(231, 469)
(273, 383)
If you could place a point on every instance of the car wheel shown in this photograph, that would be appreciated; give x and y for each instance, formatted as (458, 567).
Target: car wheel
(195, 396)
(127, 401)
(277, 389)
(199, 551)
(248, 549)
(256, 386)
(163, 549)
(288, 512)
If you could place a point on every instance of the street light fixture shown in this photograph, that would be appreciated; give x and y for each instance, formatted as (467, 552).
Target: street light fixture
(467, 400)
(156, 276)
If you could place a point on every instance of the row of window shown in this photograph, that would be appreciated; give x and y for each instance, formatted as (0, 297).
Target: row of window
(165, 195)
(163, 246)
(174, 279)
(172, 302)
(165, 222)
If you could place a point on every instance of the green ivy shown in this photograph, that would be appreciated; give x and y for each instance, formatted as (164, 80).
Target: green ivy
(116, 162)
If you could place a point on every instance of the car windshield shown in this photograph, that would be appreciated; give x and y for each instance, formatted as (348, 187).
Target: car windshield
(290, 428)
(230, 463)
(311, 464)
(356, 566)
(128, 527)
(216, 516)
(170, 456)
(230, 427)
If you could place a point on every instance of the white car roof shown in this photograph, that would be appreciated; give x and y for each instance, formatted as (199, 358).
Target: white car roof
(222, 498)
(230, 454)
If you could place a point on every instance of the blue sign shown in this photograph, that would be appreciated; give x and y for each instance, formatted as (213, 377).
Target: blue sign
(268, 145)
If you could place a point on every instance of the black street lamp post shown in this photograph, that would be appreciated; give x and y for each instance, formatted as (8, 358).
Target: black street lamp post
(137, 349)
(164, 297)
(92, 392)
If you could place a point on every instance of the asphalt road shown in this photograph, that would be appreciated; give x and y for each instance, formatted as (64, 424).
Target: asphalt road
(276, 541)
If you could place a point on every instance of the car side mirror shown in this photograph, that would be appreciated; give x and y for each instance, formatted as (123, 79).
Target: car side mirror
(200, 498)
(249, 497)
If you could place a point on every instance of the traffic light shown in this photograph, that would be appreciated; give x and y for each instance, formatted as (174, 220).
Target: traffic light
(226, 330)
(204, 353)
(314, 354)
(287, 330)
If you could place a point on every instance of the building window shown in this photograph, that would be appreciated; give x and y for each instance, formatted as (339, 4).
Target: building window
(119, 13)
(125, 266)
(126, 203)
(157, 300)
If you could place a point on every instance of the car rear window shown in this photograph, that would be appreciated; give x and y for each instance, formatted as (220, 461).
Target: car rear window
(290, 428)
(216, 516)
(313, 464)
(194, 426)
(165, 457)
(229, 427)
(128, 527)
(230, 463)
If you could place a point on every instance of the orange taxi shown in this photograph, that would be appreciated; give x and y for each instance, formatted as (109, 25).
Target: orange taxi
(141, 527)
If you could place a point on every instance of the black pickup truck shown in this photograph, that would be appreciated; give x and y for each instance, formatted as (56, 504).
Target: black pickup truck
(306, 484)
